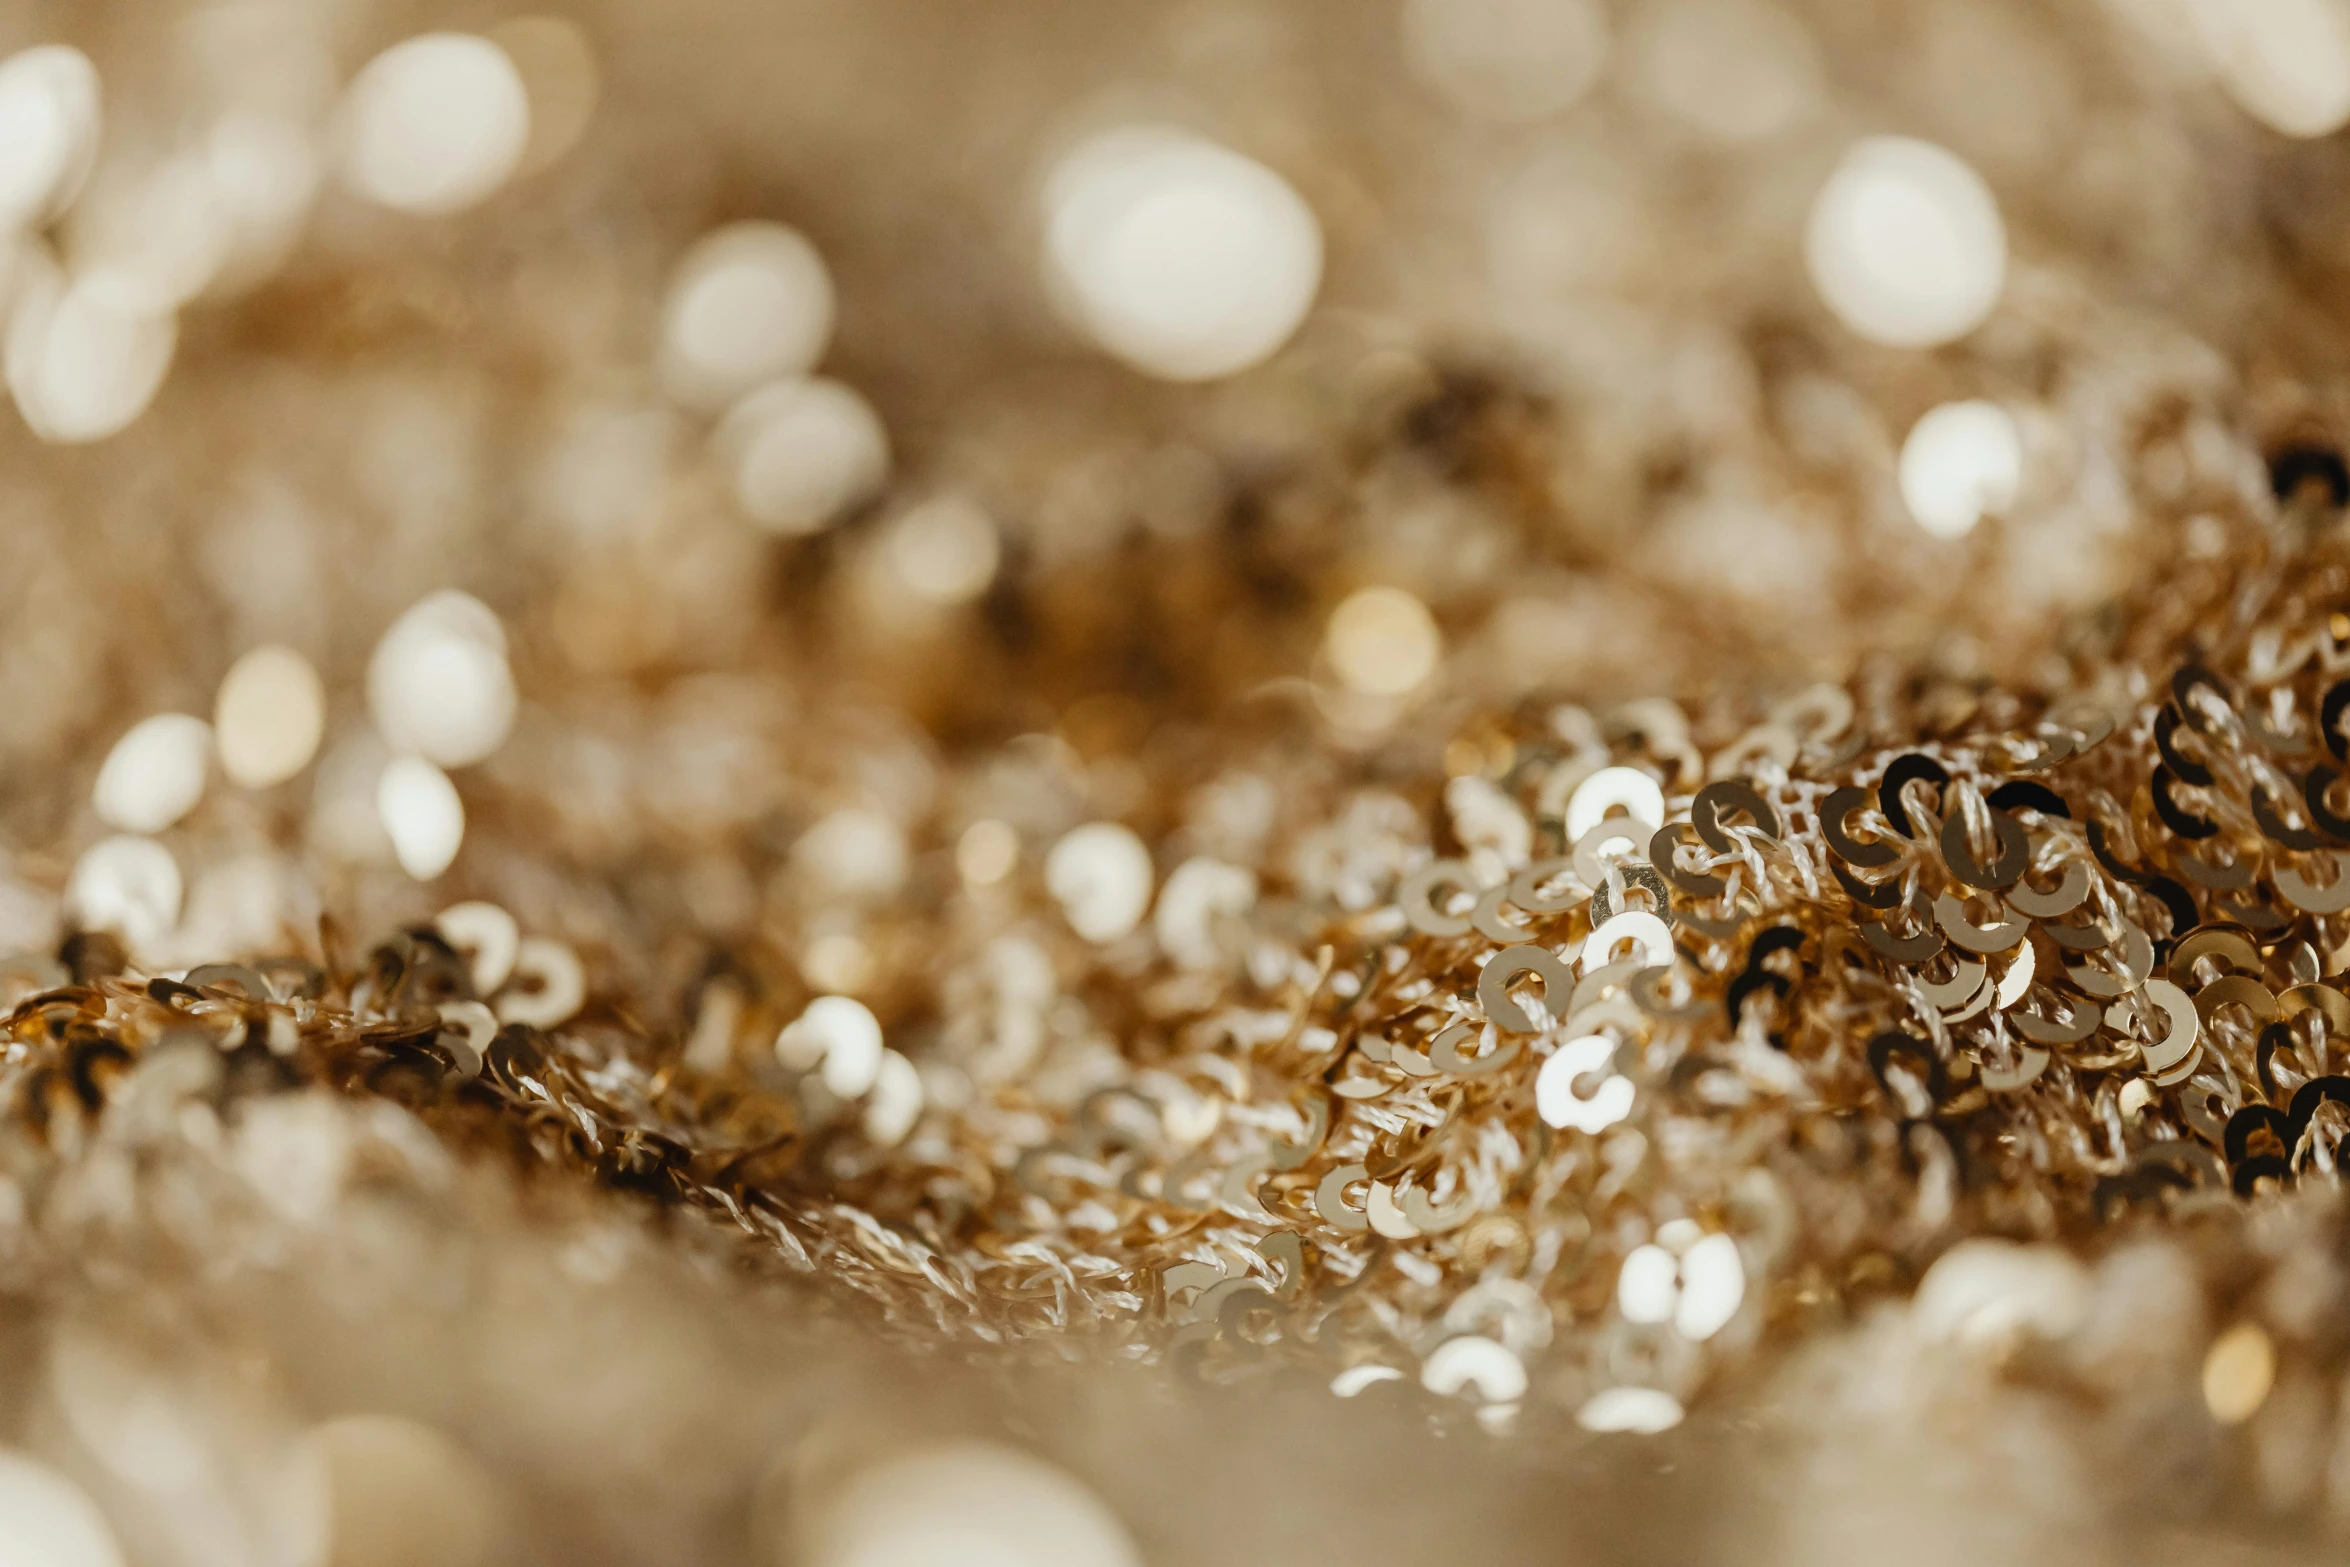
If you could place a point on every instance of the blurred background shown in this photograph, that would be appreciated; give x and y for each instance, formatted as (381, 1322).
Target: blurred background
(740, 485)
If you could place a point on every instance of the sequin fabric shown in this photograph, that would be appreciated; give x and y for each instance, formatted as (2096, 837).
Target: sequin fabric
(1605, 1106)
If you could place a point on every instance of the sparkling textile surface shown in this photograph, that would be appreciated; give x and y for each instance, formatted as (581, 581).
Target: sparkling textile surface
(1021, 869)
(2120, 989)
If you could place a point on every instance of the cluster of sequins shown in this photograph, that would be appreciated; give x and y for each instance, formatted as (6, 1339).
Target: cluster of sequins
(1722, 1046)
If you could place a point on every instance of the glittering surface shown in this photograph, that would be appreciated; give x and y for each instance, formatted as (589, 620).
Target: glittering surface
(1441, 749)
